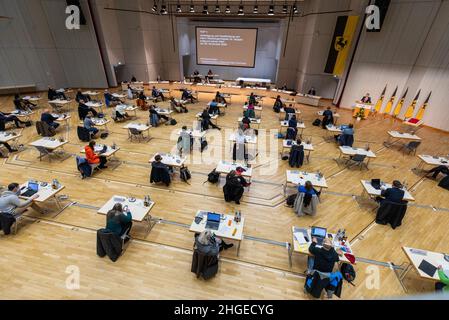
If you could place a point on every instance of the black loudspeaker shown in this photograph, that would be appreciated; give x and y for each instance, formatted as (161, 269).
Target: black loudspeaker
(383, 9)
(77, 3)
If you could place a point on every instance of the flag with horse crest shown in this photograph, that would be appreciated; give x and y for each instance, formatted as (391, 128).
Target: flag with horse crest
(341, 44)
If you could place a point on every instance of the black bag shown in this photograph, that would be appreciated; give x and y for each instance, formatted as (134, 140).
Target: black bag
(28, 124)
(184, 174)
(291, 200)
(285, 158)
(104, 135)
(348, 272)
(317, 122)
(203, 145)
(173, 122)
(213, 177)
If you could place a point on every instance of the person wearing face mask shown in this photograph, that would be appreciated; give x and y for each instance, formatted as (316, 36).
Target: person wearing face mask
(10, 202)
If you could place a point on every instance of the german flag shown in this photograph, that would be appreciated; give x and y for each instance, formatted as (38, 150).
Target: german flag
(380, 101)
(339, 50)
(398, 108)
(411, 107)
(390, 103)
(421, 110)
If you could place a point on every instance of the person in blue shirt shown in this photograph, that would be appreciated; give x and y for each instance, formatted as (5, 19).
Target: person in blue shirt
(118, 220)
(346, 138)
(394, 194)
(110, 100)
(157, 93)
(90, 125)
(309, 191)
(293, 123)
(49, 119)
(187, 95)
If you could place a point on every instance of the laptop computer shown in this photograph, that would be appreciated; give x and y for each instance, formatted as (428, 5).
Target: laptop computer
(32, 189)
(213, 221)
(319, 233)
(375, 183)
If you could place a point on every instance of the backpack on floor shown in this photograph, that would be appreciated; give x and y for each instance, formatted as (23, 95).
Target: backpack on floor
(348, 272)
(173, 122)
(290, 201)
(213, 176)
(185, 174)
(317, 122)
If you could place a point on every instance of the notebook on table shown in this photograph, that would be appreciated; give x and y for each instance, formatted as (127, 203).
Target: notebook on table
(427, 268)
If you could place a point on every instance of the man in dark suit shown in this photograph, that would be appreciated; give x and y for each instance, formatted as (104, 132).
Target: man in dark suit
(394, 194)
(444, 169)
(49, 119)
(366, 99)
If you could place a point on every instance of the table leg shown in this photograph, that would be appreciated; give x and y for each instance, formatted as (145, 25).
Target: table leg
(290, 253)
(238, 248)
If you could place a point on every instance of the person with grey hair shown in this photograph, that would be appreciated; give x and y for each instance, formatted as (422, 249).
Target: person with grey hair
(208, 244)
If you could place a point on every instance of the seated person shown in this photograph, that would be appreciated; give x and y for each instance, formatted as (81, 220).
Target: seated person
(84, 110)
(90, 125)
(94, 158)
(249, 112)
(239, 151)
(213, 108)
(155, 93)
(246, 122)
(188, 96)
(233, 189)
(142, 101)
(184, 141)
(278, 104)
(296, 157)
(206, 120)
(120, 112)
(23, 105)
(8, 147)
(130, 93)
(394, 194)
(252, 99)
(53, 94)
(322, 259)
(49, 119)
(220, 98)
(160, 172)
(119, 221)
(293, 123)
(307, 200)
(155, 117)
(133, 79)
(289, 112)
(346, 138)
(328, 118)
(8, 117)
(80, 96)
(443, 284)
(110, 100)
(284, 87)
(366, 99)
(444, 169)
(178, 106)
(196, 76)
(10, 202)
(312, 92)
(208, 244)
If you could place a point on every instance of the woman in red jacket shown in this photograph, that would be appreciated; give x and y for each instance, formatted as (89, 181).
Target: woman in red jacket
(93, 158)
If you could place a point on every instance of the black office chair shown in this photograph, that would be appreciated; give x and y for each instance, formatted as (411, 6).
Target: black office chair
(412, 146)
(358, 159)
(134, 133)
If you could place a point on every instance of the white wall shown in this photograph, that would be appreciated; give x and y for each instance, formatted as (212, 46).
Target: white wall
(36, 48)
(412, 50)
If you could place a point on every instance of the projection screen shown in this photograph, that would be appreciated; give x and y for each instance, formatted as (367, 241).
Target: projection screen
(231, 47)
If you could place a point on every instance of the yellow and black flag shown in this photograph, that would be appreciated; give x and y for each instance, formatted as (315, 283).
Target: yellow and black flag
(398, 108)
(421, 110)
(341, 44)
(411, 107)
(390, 103)
(380, 101)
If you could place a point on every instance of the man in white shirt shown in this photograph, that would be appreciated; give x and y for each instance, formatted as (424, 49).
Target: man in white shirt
(120, 112)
